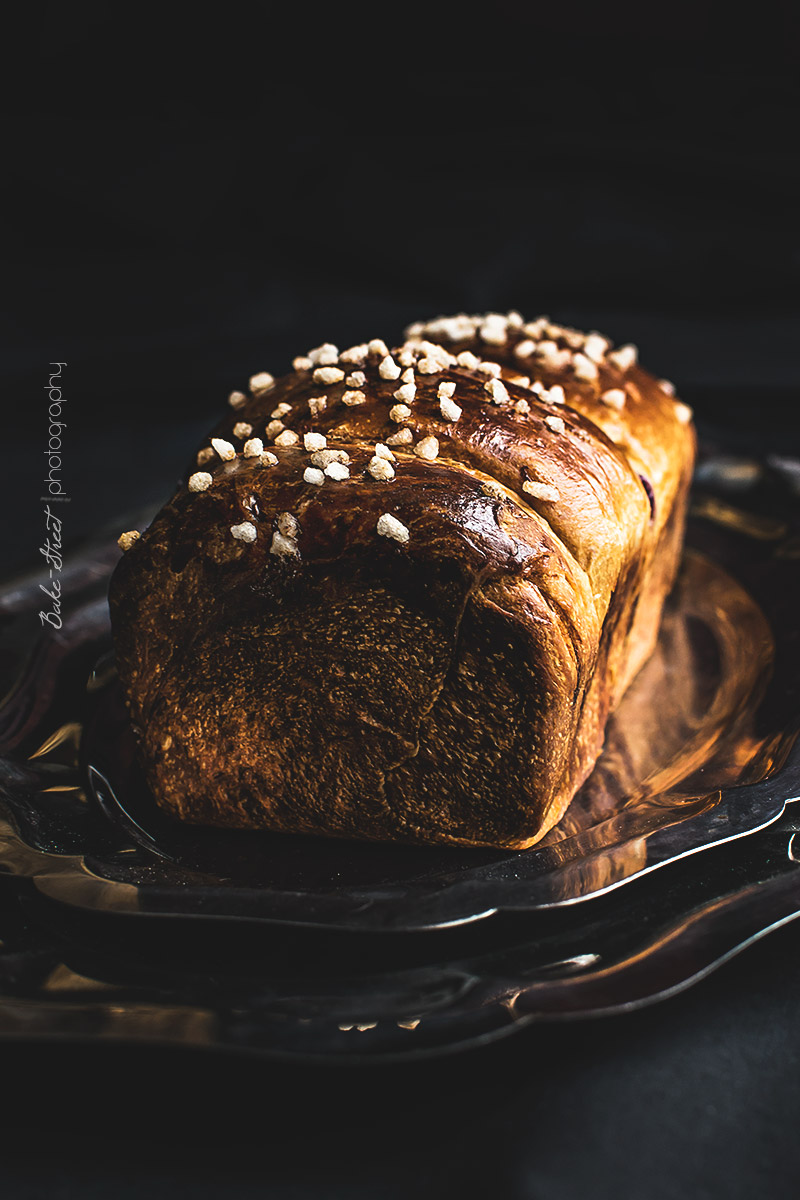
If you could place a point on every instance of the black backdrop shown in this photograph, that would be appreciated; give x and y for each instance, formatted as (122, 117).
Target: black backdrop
(190, 198)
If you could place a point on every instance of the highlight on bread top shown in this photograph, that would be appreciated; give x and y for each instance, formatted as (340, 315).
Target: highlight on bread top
(403, 587)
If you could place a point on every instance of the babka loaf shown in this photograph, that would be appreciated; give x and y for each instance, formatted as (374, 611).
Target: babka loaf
(401, 590)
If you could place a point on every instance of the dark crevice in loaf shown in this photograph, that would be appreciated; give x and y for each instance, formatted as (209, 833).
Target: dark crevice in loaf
(651, 496)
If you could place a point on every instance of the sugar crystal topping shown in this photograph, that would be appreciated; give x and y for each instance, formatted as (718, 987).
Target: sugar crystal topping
(388, 368)
(283, 546)
(380, 468)
(427, 448)
(449, 409)
(328, 375)
(314, 441)
(389, 527)
(224, 449)
(405, 393)
(262, 382)
(246, 532)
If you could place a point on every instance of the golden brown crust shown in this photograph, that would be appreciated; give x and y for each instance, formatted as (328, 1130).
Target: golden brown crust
(288, 667)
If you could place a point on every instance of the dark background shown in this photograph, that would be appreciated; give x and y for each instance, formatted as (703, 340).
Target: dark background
(190, 198)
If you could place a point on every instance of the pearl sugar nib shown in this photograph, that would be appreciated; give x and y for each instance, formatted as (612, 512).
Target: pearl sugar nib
(126, 540)
(260, 383)
(390, 527)
(381, 469)
(246, 532)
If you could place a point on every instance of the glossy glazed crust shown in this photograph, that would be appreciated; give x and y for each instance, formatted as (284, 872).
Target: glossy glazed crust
(453, 688)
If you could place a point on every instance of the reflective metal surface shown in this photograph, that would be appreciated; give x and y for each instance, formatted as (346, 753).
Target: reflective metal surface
(280, 992)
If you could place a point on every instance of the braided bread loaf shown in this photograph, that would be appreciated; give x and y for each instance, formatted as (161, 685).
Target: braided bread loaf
(401, 591)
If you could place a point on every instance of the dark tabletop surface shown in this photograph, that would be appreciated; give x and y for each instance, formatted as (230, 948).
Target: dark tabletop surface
(697, 1097)
(189, 204)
